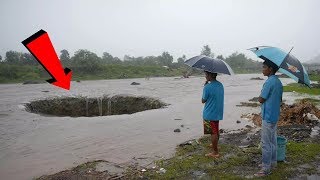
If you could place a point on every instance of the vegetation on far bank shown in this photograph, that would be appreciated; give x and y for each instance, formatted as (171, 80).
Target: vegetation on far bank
(86, 65)
(314, 77)
(299, 88)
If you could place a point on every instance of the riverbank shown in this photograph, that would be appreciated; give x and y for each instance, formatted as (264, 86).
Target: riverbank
(241, 155)
(240, 150)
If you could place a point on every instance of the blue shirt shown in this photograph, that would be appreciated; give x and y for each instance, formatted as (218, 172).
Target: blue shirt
(272, 93)
(213, 94)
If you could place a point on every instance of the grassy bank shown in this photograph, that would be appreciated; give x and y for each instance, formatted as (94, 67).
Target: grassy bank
(236, 163)
(314, 77)
(190, 162)
(295, 87)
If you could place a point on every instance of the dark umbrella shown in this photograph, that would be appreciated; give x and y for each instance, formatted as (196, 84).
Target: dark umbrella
(287, 63)
(209, 64)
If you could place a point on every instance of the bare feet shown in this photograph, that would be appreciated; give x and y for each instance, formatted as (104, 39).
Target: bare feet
(213, 155)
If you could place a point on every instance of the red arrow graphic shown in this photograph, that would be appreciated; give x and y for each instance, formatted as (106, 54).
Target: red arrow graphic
(42, 49)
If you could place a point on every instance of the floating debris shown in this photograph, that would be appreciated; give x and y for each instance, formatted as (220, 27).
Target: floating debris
(302, 112)
(247, 104)
(162, 171)
(185, 143)
(255, 99)
(135, 83)
(257, 78)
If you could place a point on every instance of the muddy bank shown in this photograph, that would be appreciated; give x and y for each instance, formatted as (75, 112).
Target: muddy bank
(240, 152)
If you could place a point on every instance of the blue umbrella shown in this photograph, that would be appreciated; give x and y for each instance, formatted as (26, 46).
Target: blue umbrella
(287, 63)
(209, 64)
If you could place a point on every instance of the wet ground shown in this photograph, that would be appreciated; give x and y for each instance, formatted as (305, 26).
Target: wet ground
(240, 159)
(32, 145)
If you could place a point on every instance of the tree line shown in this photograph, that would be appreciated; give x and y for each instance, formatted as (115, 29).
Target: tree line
(85, 62)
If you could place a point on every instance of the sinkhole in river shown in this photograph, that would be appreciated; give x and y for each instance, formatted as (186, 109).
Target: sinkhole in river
(89, 107)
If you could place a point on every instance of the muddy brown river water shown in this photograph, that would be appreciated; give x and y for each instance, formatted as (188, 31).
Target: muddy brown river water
(32, 145)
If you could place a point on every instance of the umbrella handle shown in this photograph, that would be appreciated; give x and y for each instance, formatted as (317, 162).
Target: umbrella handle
(290, 50)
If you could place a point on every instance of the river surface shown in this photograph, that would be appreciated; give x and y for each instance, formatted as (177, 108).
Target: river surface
(32, 145)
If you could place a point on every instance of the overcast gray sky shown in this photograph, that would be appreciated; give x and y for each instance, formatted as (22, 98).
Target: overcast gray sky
(149, 27)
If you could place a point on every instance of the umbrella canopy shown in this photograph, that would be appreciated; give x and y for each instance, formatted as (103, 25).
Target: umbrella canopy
(287, 63)
(209, 64)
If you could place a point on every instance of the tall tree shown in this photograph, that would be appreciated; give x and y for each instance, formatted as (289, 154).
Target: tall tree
(181, 59)
(151, 60)
(13, 57)
(220, 57)
(117, 60)
(107, 58)
(64, 56)
(0, 58)
(28, 59)
(206, 50)
(128, 58)
(166, 59)
(85, 61)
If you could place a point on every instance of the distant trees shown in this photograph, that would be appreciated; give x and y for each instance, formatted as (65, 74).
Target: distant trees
(107, 58)
(18, 58)
(151, 61)
(13, 57)
(182, 59)
(220, 57)
(85, 61)
(240, 63)
(206, 50)
(165, 59)
(64, 56)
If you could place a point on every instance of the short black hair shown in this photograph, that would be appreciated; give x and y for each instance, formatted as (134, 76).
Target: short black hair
(211, 74)
(271, 64)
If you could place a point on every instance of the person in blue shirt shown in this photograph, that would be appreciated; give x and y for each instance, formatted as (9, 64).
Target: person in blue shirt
(270, 99)
(212, 97)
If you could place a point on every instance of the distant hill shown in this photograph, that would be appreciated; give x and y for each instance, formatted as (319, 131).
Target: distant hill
(315, 60)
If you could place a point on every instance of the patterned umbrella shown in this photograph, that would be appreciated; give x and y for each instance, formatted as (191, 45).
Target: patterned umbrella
(287, 63)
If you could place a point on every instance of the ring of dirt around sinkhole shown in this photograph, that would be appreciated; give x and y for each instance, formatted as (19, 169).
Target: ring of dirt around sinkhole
(89, 107)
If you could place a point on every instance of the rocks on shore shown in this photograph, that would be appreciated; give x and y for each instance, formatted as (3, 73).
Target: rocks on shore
(257, 78)
(248, 104)
(32, 82)
(135, 83)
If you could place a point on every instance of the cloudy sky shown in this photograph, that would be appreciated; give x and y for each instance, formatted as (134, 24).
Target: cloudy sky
(149, 27)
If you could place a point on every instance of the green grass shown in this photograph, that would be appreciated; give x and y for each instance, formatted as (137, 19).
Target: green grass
(235, 163)
(301, 89)
(314, 77)
(311, 100)
(17, 74)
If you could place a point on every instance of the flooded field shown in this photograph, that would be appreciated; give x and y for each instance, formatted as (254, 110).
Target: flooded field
(32, 145)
